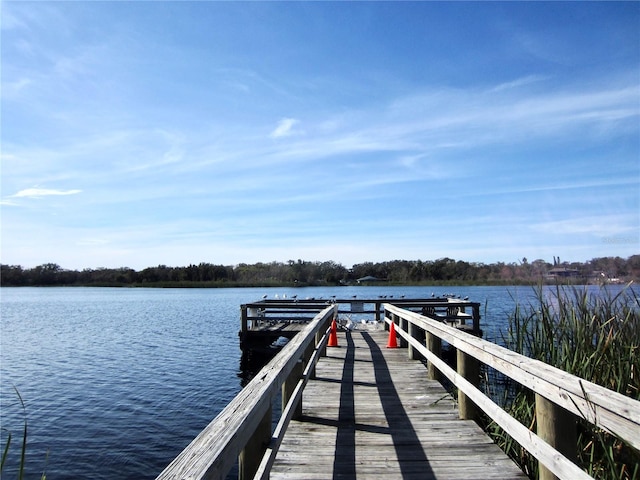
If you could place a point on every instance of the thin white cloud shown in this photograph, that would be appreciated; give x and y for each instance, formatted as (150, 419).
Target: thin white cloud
(550, 187)
(43, 192)
(460, 120)
(90, 242)
(12, 89)
(519, 82)
(284, 128)
(603, 226)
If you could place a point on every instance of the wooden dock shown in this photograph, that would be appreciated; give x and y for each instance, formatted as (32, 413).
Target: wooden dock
(371, 413)
(361, 410)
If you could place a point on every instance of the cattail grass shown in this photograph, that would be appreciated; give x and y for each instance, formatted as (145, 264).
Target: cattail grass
(593, 335)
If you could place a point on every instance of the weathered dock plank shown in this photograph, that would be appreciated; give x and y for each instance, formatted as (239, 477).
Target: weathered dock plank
(372, 413)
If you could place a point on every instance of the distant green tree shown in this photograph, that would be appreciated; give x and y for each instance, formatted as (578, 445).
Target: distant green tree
(12, 275)
(318, 273)
(46, 274)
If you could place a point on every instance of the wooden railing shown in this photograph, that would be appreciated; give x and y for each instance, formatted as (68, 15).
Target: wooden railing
(560, 397)
(450, 310)
(242, 431)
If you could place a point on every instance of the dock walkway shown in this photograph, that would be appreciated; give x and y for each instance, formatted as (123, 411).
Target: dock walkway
(371, 413)
(366, 412)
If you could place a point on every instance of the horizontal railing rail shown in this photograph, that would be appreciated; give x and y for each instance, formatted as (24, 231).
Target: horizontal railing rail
(243, 429)
(560, 396)
(291, 410)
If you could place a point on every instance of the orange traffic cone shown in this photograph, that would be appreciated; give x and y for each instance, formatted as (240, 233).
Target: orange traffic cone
(333, 335)
(393, 341)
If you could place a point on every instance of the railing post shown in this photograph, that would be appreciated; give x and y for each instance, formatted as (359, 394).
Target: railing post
(412, 333)
(289, 386)
(251, 455)
(319, 335)
(321, 331)
(307, 356)
(243, 319)
(476, 318)
(417, 333)
(403, 323)
(557, 427)
(434, 345)
(468, 368)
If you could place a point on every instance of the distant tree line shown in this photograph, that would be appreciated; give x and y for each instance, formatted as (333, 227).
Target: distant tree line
(303, 273)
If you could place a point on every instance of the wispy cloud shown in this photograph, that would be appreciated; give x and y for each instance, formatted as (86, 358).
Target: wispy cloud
(284, 128)
(43, 192)
(557, 186)
(590, 225)
(519, 82)
(11, 89)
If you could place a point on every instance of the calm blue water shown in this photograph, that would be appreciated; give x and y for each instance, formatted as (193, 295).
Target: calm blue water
(116, 382)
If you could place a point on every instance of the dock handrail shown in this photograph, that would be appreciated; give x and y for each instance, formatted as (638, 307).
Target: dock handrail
(441, 308)
(243, 429)
(560, 396)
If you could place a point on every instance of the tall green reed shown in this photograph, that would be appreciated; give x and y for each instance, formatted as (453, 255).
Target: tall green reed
(593, 335)
(23, 447)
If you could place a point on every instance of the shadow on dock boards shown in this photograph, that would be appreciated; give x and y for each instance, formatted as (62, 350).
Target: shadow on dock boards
(408, 448)
(345, 466)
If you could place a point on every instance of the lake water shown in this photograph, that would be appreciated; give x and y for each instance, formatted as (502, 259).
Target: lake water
(117, 381)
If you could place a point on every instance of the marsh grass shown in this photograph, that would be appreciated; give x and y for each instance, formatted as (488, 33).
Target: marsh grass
(23, 447)
(595, 336)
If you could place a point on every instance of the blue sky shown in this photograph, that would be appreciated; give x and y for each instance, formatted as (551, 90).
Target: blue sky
(144, 133)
